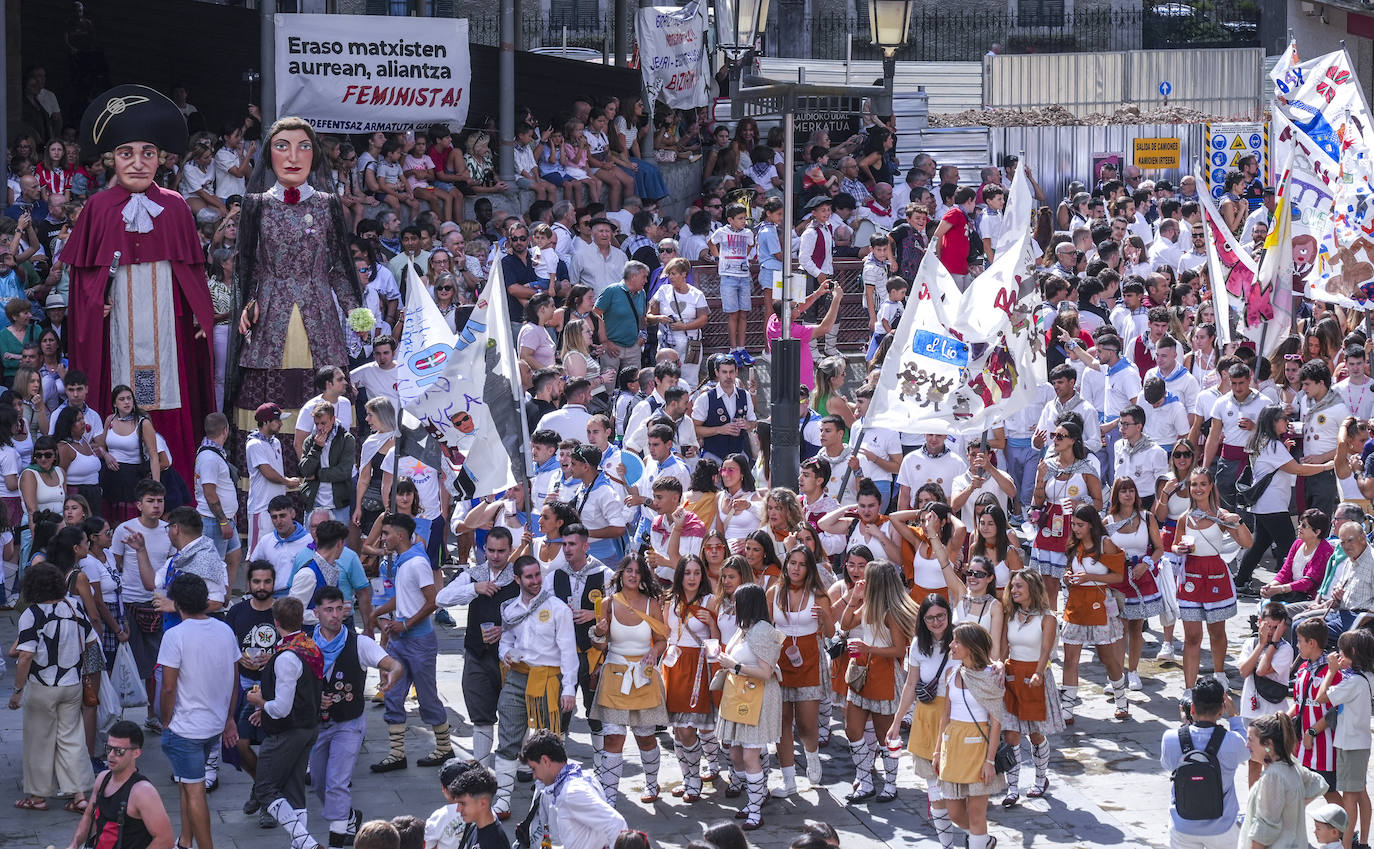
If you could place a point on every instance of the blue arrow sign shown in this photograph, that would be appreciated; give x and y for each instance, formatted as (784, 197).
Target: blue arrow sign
(1165, 88)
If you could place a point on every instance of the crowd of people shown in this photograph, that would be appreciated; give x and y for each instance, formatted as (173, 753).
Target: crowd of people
(916, 592)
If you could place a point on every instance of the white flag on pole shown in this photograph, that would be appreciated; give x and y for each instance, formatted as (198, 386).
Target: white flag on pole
(933, 381)
(426, 343)
(452, 406)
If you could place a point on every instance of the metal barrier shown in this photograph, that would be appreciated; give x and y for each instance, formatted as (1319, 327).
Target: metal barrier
(855, 330)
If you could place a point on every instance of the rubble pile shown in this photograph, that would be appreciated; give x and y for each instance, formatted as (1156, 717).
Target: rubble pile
(1058, 116)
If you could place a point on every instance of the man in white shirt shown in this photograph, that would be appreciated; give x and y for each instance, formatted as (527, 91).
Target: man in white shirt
(723, 416)
(1177, 379)
(661, 462)
(932, 462)
(667, 499)
(572, 804)
(1233, 421)
(601, 263)
(143, 538)
(1165, 250)
(539, 648)
(547, 473)
(1166, 421)
(1130, 317)
(879, 451)
(676, 405)
(570, 420)
(1138, 457)
(598, 501)
(330, 381)
(1260, 215)
(1323, 409)
(1195, 256)
(835, 452)
(282, 543)
(198, 698)
(1064, 380)
(378, 377)
(263, 455)
(666, 376)
(1357, 388)
(217, 494)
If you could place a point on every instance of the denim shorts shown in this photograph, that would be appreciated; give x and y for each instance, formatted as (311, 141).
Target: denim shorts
(734, 294)
(187, 756)
(210, 528)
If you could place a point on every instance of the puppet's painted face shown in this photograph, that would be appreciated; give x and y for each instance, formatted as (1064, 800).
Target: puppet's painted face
(135, 165)
(1304, 250)
(463, 422)
(292, 156)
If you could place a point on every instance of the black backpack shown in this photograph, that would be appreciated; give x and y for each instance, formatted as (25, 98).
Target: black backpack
(1198, 794)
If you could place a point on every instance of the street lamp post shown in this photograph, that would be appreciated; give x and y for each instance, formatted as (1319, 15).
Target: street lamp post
(738, 23)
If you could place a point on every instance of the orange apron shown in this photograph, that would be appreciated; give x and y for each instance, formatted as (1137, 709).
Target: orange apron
(925, 728)
(688, 682)
(838, 667)
(1086, 606)
(1023, 701)
(881, 684)
(963, 749)
(809, 673)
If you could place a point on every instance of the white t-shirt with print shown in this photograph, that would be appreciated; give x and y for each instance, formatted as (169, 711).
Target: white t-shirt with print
(734, 251)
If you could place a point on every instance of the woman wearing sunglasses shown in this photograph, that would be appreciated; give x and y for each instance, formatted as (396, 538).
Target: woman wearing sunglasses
(1065, 479)
(1091, 617)
(1136, 533)
(43, 484)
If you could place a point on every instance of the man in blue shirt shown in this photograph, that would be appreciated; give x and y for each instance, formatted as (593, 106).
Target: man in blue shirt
(335, 565)
(1210, 703)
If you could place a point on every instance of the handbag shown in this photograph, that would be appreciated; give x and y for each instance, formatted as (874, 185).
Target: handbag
(835, 646)
(1268, 689)
(1005, 758)
(1249, 490)
(742, 700)
(926, 691)
(694, 346)
(856, 676)
(90, 689)
(147, 618)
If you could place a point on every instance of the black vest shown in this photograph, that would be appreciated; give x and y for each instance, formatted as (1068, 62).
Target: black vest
(562, 588)
(344, 682)
(305, 707)
(485, 608)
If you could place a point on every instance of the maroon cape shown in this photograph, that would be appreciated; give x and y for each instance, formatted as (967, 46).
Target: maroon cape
(98, 233)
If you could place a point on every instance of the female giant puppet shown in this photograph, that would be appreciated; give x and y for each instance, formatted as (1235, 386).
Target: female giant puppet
(295, 277)
(140, 308)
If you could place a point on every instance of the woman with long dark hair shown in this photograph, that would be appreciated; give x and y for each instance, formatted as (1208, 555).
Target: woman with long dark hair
(131, 441)
(927, 689)
(748, 662)
(687, 669)
(1065, 479)
(1091, 617)
(1206, 594)
(763, 559)
(993, 538)
(1134, 531)
(801, 612)
(1171, 502)
(80, 465)
(629, 697)
(1032, 700)
(740, 507)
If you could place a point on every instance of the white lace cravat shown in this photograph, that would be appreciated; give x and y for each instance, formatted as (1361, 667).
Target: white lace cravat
(139, 213)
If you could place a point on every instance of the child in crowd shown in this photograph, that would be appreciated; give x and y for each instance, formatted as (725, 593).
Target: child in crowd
(890, 315)
(878, 267)
(419, 172)
(545, 257)
(1329, 824)
(1354, 660)
(730, 246)
(387, 181)
(1267, 656)
(1316, 720)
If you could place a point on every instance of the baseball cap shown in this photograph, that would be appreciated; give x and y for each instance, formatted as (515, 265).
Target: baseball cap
(268, 412)
(1333, 815)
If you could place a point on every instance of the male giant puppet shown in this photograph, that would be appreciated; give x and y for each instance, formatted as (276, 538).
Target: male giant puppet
(139, 308)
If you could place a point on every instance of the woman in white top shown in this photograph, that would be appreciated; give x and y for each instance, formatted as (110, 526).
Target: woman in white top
(1091, 617)
(740, 507)
(10, 464)
(1032, 700)
(994, 539)
(801, 611)
(629, 696)
(1201, 361)
(131, 441)
(1134, 531)
(80, 465)
(927, 688)
(969, 733)
(687, 670)
(535, 344)
(1273, 520)
(547, 547)
(197, 183)
(1171, 502)
(369, 501)
(680, 311)
(43, 485)
(1351, 484)
(579, 361)
(933, 552)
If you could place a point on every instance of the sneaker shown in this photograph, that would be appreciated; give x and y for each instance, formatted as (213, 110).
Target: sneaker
(1166, 652)
(743, 358)
(252, 805)
(266, 820)
(1222, 680)
(443, 617)
(1132, 681)
(736, 355)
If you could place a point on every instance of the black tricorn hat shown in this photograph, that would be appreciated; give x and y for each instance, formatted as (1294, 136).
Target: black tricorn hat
(128, 113)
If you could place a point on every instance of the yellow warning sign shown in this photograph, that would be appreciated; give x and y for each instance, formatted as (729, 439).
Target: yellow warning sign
(1157, 153)
(1238, 143)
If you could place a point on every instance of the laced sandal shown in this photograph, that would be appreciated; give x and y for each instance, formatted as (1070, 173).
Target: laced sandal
(650, 794)
(435, 758)
(1012, 800)
(1039, 789)
(889, 793)
(390, 763)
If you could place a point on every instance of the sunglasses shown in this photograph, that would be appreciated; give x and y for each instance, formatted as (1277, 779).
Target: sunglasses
(119, 751)
(1183, 454)
(519, 238)
(1295, 358)
(443, 288)
(1059, 436)
(977, 576)
(38, 454)
(666, 251)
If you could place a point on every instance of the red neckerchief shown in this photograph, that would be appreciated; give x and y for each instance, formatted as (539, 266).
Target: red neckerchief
(306, 650)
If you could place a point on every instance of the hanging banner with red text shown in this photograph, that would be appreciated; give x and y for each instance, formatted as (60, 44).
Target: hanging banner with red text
(672, 54)
(372, 73)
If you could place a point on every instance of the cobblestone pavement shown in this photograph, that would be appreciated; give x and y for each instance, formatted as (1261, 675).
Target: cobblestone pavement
(1107, 786)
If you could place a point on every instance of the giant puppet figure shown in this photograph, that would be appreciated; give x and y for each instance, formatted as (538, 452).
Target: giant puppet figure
(295, 277)
(139, 305)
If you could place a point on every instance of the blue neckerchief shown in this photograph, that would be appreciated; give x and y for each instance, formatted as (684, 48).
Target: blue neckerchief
(331, 648)
(1170, 397)
(1118, 366)
(568, 772)
(1176, 375)
(170, 620)
(547, 466)
(296, 533)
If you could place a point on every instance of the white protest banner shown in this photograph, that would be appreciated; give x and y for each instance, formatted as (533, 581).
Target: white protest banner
(935, 382)
(454, 409)
(426, 344)
(672, 54)
(1276, 269)
(372, 73)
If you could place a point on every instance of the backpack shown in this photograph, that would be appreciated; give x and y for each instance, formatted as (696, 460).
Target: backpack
(1198, 794)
